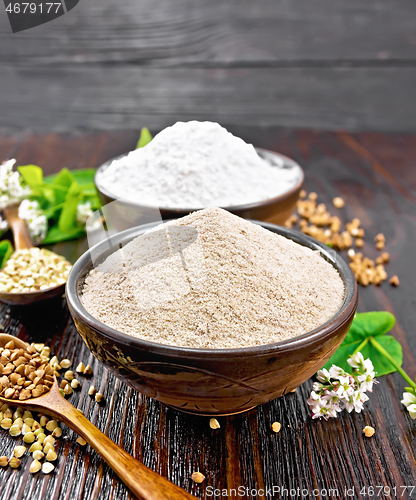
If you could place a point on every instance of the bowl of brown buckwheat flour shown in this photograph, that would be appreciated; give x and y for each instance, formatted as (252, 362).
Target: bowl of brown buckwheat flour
(211, 313)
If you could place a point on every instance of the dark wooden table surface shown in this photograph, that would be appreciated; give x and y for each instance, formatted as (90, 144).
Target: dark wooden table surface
(375, 174)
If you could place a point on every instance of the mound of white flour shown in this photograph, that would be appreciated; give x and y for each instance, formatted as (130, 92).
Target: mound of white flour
(194, 165)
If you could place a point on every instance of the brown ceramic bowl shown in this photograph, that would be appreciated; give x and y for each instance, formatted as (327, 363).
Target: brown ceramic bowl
(212, 381)
(26, 298)
(126, 214)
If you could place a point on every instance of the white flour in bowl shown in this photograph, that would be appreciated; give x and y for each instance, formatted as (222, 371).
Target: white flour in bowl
(195, 165)
(213, 280)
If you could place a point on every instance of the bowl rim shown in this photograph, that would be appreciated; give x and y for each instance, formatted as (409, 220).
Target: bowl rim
(231, 208)
(327, 329)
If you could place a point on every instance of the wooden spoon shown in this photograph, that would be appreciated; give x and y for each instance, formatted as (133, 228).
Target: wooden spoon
(143, 482)
(22, 241)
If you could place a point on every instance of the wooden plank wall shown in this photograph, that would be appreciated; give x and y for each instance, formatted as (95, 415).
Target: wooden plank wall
(109, 64)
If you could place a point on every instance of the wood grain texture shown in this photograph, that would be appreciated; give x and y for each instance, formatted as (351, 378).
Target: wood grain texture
(108, 65)
(101, 98)
(236, 32)
(374, 173)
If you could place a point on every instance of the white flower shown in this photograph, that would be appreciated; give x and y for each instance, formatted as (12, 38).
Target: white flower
(338, 389)
(349, 404)
(320, 409)
(336, 372)
(317, 386)
(356, 360)
(314, 399)
(356, 402)
(412, 411)
(11, 189)
(333, 408)
(28, 208)
(35, 219)
(84, 211)
(408, 399)
(368, 365)
(323, 375)
(316, 413)
(345, 387)
(367, 381)
(332, 398)
(325, 408)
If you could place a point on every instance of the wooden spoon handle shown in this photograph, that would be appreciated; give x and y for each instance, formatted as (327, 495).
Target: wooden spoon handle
(18, 226)
(143, 482)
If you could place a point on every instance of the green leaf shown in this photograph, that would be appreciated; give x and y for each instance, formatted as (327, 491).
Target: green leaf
(67, 220)
(45, 196)
(64, 180)
(55, 235)
(344, 351)
(51, 212)
(372, 323)
(82, 176)
(6, 249)
(145, 138)
(60, 184)
(32, 175)
(393, 347)
(365, 326)
(59, 195)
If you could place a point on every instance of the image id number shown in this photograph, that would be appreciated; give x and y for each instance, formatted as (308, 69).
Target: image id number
(395, 491)
(33, 8)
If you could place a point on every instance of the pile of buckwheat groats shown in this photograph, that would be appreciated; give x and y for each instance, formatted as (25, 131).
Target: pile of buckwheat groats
(33, 269)
(29, 374)
(315, 220)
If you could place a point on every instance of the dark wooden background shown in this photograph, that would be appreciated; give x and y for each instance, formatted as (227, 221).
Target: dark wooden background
(327, 64)
(75, 92)
(374, 173)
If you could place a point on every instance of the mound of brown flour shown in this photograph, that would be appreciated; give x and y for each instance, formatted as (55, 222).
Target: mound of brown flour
(213, 280)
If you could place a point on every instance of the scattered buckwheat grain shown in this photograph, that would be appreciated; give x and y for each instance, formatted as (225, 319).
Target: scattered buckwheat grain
(66, 363)
(35, 466)
(276, 426)
(99, 398)
(338, 202)
(19, 451)
(214, 424)
(14, 462)
(88, 370)
(47, 468)
(80, 368)
(198, 477)
(316, 221)
(394, 280)
(368, 431)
